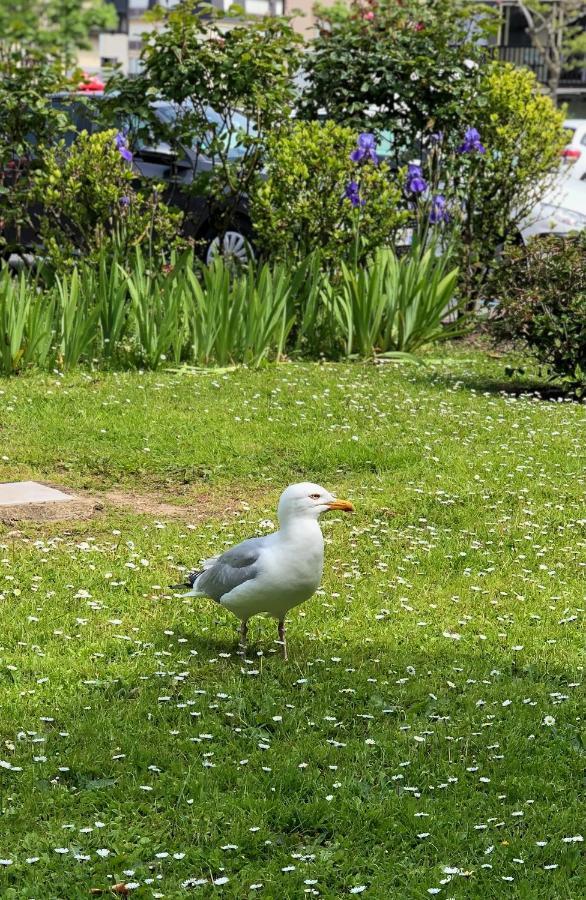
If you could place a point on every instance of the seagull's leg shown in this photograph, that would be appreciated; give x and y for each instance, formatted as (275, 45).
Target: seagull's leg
(243, 636)
(282, 638)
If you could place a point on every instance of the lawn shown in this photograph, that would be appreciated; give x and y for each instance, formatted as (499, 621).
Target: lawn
(424, 737)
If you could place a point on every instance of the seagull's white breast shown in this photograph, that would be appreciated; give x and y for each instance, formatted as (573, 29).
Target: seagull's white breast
(289, 572)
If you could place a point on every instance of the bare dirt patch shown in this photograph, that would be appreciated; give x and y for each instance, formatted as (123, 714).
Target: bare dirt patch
(86, 504)
(76, 508)
(202, 506)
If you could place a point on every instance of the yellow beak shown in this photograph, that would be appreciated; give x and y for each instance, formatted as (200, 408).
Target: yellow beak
(344, 505)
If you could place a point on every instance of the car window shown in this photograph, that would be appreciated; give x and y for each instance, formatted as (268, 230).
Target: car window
(143, 136)
(168, 113)
(81, 114)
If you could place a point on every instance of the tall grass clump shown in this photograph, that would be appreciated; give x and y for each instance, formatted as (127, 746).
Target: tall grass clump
(140, 314)
(26, 323)
(396, 305)
(239, 319)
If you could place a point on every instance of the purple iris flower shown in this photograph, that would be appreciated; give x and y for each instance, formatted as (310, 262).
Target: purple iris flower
(365, 149)
(120, 141)
(437, 137)
(438, 212)
(124, 201)
(415, 183)
(471, 142)
(352, 193)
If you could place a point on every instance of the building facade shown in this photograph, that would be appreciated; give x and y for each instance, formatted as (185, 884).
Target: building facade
(513, 44)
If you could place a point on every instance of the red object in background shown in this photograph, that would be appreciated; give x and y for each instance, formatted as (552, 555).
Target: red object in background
(92, 83)
(571, 153)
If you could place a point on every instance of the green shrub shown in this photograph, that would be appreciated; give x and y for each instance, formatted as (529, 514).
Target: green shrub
(28, 122)
(89, 203)
(523, 134)
(241, 68)
(301, 204)
(541, 290)
(398, 67)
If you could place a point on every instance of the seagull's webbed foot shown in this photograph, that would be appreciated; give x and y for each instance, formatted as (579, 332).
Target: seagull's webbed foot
(242, 642)
(283, 638)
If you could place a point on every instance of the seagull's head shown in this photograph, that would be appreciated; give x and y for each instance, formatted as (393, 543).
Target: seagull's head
(308, 500)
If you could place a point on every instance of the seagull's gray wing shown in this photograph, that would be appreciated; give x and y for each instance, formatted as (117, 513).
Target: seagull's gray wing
(231, 569)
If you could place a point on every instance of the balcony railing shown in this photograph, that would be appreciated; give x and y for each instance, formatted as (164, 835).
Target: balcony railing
(533, 59)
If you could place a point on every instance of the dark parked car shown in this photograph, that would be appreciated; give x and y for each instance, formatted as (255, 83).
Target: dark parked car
(217, 228)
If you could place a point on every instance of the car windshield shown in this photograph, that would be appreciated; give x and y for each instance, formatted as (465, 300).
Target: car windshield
(231, 136)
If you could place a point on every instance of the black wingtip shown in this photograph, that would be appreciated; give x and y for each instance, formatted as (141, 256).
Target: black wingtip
(186, 584)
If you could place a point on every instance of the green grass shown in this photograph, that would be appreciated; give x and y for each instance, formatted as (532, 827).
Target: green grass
(405, 735)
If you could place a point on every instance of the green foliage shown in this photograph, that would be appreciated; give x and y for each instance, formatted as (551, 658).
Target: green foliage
(300, 205)
(113, 315)
(523, 134)
(109, 288)
(107, 315)
(78, 318)
(395, 305)
(407, 66)
(156, 305)
(89, 202)
(542, 304)
(54, 28)
(239, 319)
(14, 310)
(26, 321)
(27, 122)
(195, 64)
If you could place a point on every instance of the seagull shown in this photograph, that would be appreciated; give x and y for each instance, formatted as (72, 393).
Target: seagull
(271, 574)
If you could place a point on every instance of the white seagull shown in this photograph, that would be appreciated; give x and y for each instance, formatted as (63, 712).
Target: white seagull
(273, 573)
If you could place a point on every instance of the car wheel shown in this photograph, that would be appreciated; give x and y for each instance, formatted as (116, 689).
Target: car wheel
(233, 247)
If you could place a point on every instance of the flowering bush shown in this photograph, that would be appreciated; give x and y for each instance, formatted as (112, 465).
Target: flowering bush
(89, 201)
(402, 67)
(325, 189)
(483, 180)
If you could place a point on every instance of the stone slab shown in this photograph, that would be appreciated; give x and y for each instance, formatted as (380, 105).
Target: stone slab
(31, 500)
(20, 493)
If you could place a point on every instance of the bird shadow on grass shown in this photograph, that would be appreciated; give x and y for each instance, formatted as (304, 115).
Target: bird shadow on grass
(379, 656)
(223, 639)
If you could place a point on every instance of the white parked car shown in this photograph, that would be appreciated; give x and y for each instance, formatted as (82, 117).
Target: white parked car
(574, 153)
(561, 211)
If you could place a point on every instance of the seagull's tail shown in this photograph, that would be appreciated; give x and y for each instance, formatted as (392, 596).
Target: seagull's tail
(188, 583)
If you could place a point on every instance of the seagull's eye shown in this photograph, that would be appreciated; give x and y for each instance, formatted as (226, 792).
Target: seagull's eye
(314, 496)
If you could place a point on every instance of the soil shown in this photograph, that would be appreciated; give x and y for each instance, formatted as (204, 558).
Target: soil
(87, 504)
(78, 508)
(202, 506)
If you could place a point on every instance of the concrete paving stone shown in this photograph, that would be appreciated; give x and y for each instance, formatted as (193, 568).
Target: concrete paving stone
(17, 493)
